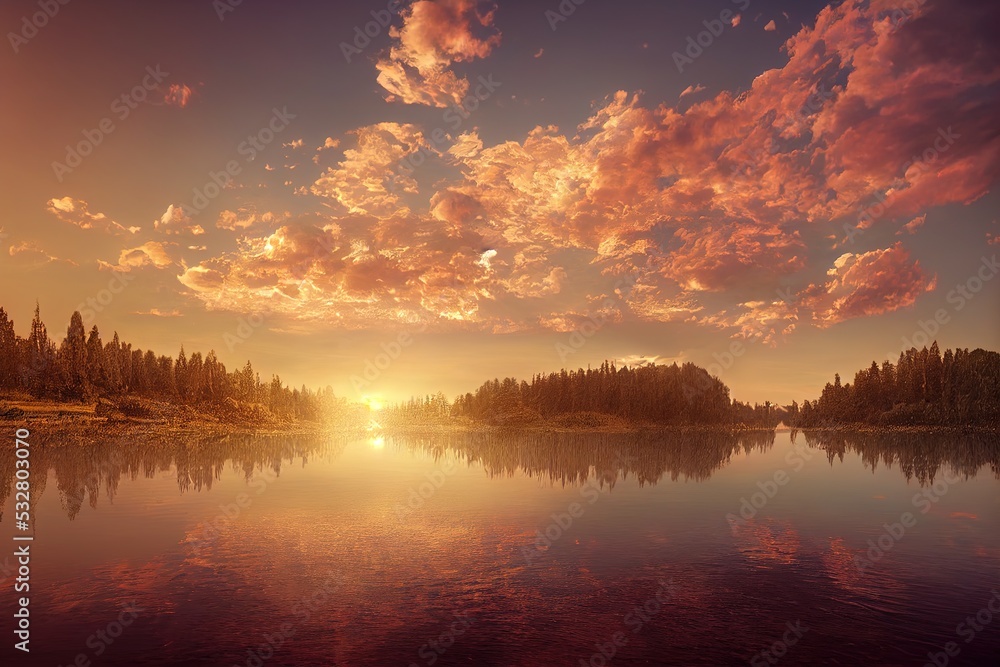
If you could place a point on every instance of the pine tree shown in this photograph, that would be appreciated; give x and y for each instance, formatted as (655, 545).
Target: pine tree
(39, 368)
(8, 352)
(181, 376)
(73, 354)
(97, 374)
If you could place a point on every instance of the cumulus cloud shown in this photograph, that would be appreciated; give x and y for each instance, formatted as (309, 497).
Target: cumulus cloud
(767, 321)
(770, 27)
(436, 34)
(532, 274)
(76, 212)
(369, 179)
(716, 196)
(151, 253)
(247, 216)
(707, 210)
(175, 220)
(400, 269)
(872, 283)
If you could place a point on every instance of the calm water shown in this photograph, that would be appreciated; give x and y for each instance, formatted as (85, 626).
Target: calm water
(496, 550)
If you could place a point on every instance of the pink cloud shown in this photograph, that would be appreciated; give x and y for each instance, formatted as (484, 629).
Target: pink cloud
(913, 225)
(734, 195)
(875, 282)
(369, 179)
(436, 34)
(691, 90)
(178, 95)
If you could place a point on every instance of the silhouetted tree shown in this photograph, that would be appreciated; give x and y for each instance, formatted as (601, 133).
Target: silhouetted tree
(923, 388)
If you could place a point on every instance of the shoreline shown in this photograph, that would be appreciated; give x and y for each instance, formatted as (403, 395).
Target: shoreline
(75, 424)
(922, 429)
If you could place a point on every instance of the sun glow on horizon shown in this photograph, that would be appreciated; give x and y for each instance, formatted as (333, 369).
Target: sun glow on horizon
(374, 403)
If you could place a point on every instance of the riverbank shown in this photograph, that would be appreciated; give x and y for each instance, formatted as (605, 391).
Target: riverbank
(557, 427)
(57, 423)
(871, 429)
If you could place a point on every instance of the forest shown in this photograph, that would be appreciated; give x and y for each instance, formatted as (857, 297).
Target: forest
(923, 388)
(650, 394)
(84, 368)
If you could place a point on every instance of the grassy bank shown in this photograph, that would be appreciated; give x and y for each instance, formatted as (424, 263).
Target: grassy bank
(59, 423)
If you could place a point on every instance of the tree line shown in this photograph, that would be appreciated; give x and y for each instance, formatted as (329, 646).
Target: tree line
(923, 388)
(84, 368)
(659, 394)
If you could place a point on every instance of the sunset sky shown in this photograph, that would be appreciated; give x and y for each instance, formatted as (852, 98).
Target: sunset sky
(487, 179)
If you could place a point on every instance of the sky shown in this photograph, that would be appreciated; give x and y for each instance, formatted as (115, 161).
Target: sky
(399, 198)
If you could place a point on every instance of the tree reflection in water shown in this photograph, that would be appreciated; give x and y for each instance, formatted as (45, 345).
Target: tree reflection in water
(84, 474)
(919, 456)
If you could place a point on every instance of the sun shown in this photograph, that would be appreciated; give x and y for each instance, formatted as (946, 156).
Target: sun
(374, 403)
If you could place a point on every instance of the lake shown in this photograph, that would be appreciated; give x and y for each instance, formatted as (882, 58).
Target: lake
(558, 549)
